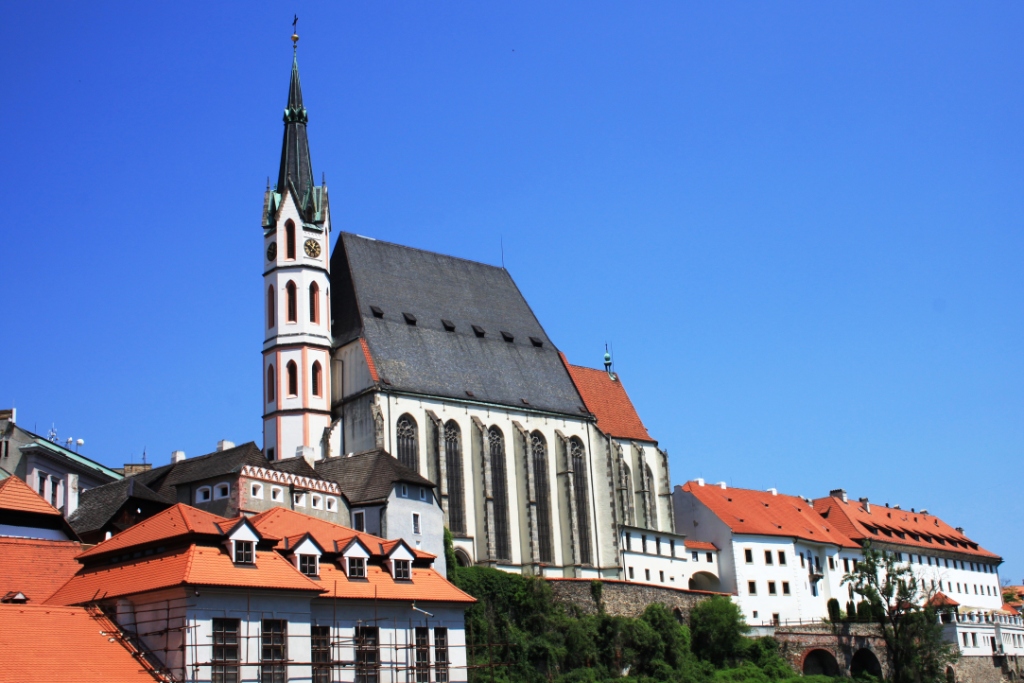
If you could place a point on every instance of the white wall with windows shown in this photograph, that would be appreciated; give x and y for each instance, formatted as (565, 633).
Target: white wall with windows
(656, 558)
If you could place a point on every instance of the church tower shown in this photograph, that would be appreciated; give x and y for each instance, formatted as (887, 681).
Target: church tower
(296, 294)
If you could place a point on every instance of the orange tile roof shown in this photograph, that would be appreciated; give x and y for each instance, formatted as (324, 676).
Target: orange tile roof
(940, 599)
(699, 545)
(174, 522)
(370, 365)
(896, 527)
(284, 523)
(426, 586)
(1010, 608)
(18, 496)
(190, 566)
(43, 644)
(35, 567)
(763, 514)
(606, 398)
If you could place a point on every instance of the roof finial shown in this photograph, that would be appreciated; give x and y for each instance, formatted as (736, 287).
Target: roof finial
(295, 34)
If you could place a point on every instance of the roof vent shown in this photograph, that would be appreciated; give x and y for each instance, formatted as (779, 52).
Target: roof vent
(224, 445)
(773, 491)
(721, 485)
(377, 311)
(478, 331)
(507, 336)
(470, 393)
(700, 482)
(525, 402)
(839, 493)
(177, 456)
(960, 529)
(924, 511)
(537, 342)
(866, 504)
(410, 319)
(449, 326)
(896, 507)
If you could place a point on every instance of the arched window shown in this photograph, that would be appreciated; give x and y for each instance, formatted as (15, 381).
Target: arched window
(578, 460)
(539, 454)
(293, 303)
(271, 384)
(293, 378)
(289, 240)
(271, 318)
(407, 435)
(314, 303)
(453, 463)
(315, 378)
(499, 493)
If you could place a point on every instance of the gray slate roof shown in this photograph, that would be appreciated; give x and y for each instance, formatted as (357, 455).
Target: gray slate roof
(296, 466)
(367, 478)
(425, 358)
(97, 506)
(211, 465)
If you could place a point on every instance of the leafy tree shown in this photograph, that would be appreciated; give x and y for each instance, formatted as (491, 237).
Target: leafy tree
(716, 630)
(449, 554)
(910, 628)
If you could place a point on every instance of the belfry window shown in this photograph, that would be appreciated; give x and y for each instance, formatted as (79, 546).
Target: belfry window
(577, 457)
(271, 318)
(407, 435)
(292, 371)
(289, 240)
(293, 302)
(499, 493)
(314, 303)
(453, 465)
(539, 455)
(316, 378)
(271, 384)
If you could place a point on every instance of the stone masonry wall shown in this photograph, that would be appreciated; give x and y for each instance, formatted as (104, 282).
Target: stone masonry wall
(988, 669)
(623, 599)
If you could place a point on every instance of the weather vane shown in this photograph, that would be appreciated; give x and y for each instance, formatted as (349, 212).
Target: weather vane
(295, 33)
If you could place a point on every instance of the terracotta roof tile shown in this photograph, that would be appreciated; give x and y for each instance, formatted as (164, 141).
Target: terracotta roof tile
(606, 398)
(37, 568)
(902, 525)
(175, 522)
(285, 523)
(761, 513)
(699, 545)
(16, 495)
(426, 586)
(940, 599)
(43, 644)
(371, 366)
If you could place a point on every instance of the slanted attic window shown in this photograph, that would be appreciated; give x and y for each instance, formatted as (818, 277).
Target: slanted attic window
(479, 331)
(449, 326)
(410, 319)
(402, 571)
(507, 336)
(377, 311)
(243, 552)
(308, 565)
(537, 342)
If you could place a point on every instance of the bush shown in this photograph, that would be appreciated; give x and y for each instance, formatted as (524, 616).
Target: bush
(851, 611)
(864, 612)
(834, 615)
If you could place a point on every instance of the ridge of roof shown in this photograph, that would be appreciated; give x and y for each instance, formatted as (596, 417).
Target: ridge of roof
(96, 506)
(369, 476)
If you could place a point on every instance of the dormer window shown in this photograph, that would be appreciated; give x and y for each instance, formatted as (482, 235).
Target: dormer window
(203, 494)
(357, 567)
(405, 491)
(309, 565)
(244, 552)
(402, 570)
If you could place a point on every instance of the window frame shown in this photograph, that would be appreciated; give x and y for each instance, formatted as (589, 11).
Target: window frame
(244, 552)
(441, 660)
(221, 490)
(367, 651)
(402, 570)
(359, 520)
(320, 653)
(274, 651)
(751, 587)
(416, 523)
(314, 303)
(355, 567)
(224, 657)
(303, 564)
(748, 556)
(204, 494)
(291, 302)
(421, 636)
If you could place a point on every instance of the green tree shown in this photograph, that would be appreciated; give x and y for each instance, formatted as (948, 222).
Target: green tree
(910, 628)
(834, 615)
(864, 612)
(717, 628)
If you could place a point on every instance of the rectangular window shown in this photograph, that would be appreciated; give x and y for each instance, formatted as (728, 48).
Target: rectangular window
(846, 565)
(657, 546)
(748, 555)
(695, 556)
(422, 654)
(672, 547)
(771, 588)
(274, 655)
(357, 567)
(661, 576)
(225, 651)
(831, 562)
(647, 574)
(423, 493)
(402, 571)
(752, 587)
(243, 552)
(358, 521)
(631, 573)
(785, 587)
(415, 522)
(643, 543)
(782, 558)
(776, 620)
(974, 639)
(801, 560)
(629, 541)
(441, 655)
(709, 558)
(966, 640)
(817, 562)
(321, 652)
(367, 655)
(307, 565)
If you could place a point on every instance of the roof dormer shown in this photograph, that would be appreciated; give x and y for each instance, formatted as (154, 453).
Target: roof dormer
(399, 561)
(306, 553)
(241, 542)
(354, 558)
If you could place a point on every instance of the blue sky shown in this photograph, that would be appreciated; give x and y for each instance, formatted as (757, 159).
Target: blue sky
(800, 225)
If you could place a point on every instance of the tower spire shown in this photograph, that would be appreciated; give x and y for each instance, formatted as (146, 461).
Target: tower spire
(296, 172)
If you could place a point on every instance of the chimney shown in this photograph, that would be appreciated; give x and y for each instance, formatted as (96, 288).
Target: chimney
(700, 482)
(924, 511)
(721, 485)
(224, 445)
(9, 414)
(866, 504)
(839, 493)
(307, 453)
(177, 456)
(774, 491)
(131, 469)
(896, 507)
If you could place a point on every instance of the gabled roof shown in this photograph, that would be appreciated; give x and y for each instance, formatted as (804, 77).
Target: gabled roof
(606, 398)
(35, 567)
(216, 464)
(368, 477)
(44, 644)
(762, 513)
(427, 585)
(897, 527)
(940, 599)
(177, 522)
(97, 506)
(503, 366)
(95, 468)
(17, 496)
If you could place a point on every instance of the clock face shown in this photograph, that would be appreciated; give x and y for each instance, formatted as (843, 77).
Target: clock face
(272, 251)
(312, 248)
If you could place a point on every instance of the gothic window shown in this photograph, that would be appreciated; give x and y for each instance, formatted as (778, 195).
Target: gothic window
(293, 378)
(577, 457)
(271, 384)
(407, 436)
(539, 454)
(293, 302)
(289, 240)
(499, 494)
(627, 492)
(453, 462)
(270, 307)
(649, 510)
(314, 303)
(639, 494)
(316, 378)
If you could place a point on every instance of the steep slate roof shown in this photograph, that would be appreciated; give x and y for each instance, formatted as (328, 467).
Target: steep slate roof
(36, 567)
(97, 506)
(606, 398)
(44, 644)
(761, 513)
(898, 527)
(368, 477)
(216, 464)
(296, 466)
(426, 359)
(17, 496)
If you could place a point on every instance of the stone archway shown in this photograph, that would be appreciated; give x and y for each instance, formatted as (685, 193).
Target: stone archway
(821, 663)
(462, 557)
(950, 675)
(705, 581)
(865, 662)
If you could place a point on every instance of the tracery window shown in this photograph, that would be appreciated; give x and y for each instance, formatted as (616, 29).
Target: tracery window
(539, 454)
(577, 458)
(407, 436)
(453, 463)
(314, 303)
(499, 493)
(289, 240)
(293, 303)
(270, 307)
(293, 378)
(316, 378)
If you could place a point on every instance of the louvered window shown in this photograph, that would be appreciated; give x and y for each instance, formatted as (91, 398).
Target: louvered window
(407, 435)
(577, 456)
(499, 494)
(539, 454)
(453, 463)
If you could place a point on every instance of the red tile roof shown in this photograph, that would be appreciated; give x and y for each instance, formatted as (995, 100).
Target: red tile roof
(897, 527)
(18, 496)
(699, 545)
(1010, 608)
(174, 522)
(44, 644)
(426, 586)
(940, 599)
(35, 567)
(606, 398)
(371, 366)
(763, 514)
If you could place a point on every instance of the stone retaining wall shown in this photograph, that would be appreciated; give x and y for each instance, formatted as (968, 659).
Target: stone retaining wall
(624, 599)
(988, 669)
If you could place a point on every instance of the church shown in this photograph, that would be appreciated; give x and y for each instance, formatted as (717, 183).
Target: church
(540, 466)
